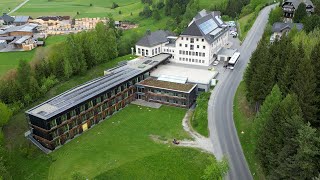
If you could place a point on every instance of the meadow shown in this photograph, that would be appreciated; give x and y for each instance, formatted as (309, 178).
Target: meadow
(7, 5)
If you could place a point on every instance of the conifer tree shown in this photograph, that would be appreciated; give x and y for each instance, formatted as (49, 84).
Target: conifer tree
(305, 87)
(315, 60)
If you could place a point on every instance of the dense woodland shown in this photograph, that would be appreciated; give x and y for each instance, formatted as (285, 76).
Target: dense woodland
(283, 86)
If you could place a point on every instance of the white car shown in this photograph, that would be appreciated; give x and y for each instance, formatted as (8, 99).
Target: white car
(215, 63)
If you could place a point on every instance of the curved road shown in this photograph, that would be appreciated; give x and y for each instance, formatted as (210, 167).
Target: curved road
(223, 133)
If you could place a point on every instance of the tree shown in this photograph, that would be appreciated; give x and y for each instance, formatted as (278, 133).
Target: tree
(269, 105)
(176, 12)
(146, 12)
(24, 76)
(300, 13)
(215, 170)
(307, 159)
(6, 114)
(275, 15)
(114, 5)
(311, 22)
(169, 5)
(160, 4)
(304, 87)
(276, 146)
(156, 15)
(315, 56)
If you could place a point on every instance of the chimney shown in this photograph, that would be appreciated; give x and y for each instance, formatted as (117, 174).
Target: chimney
(148, 32)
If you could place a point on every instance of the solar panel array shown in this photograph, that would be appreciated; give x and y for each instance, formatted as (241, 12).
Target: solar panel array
(94, 88)
(208, 26)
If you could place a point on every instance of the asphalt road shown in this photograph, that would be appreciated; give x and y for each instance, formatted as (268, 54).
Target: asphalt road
(223, 133)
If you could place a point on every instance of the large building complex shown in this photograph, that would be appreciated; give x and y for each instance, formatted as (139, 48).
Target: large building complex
(67, 115)
(198, 44)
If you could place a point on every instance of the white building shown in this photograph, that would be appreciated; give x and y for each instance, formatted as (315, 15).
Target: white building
(198, 44)
(154, 43)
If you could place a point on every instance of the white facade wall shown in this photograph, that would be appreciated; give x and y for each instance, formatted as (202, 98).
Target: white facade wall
(192, 50)
(149, 51)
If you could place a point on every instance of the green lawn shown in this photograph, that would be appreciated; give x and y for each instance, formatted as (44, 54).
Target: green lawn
(119, 148)
(10, 60)
(6, 5)
(243, 118)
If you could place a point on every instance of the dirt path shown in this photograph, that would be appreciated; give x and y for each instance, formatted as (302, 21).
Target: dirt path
(199, 141)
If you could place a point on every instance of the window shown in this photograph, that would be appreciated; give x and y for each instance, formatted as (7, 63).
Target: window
(198, 46)
(139, 51)
(203, 61)
(98, 100)
(147, 52)
(183, 52)
(156, 51)
(197, 39)
(187, 39)
(82, 108)
(202, 40)
(186, 45)
(204, 47)
(159, 49)
(196, 53)
(189, 52)
(192, 60)
(180, 45)
(180, 59)
(180, 52)
(152, 52)
(193, 53)
(53, 123)
(181, 38)
(64, 117)
(203, 54)
(191, 47)
(191, 40)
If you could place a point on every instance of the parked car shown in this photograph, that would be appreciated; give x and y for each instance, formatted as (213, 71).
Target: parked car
(215, 63)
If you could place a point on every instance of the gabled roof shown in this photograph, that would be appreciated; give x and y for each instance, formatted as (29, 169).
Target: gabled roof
(206, 24)
(280, 26)
(6, 18)
(21, 19)
(154, 38)
(296, 3)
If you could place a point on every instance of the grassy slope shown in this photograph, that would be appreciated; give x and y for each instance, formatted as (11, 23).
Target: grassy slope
(245, 24)
(122, 145)
(199, 120)
(118, 148)
(243, 117)
(5, 5)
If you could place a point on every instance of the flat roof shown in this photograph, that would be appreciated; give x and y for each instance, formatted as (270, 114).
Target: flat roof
(175, 79)
(151, 82)
(90, 89)
(227, 52)
(194, 74)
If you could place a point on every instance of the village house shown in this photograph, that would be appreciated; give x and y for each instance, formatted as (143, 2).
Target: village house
(280, 28)
(6, 19)
(21, 20)
(290, 6)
